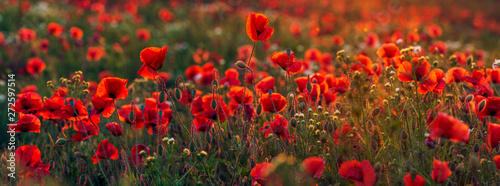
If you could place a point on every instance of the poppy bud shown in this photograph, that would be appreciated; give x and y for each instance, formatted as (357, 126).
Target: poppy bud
(288, 52)
(479, 135)
(78, 154)
(481, 105)
(259, 109)
(473, 162)
(131, 116)
(293, 122)
(213, 104)
(72, 103)
(329, 127)
(404, 135)
(162, 97)
(469, 98)
(240, 64)
(469, 60)
(82, 180)
(460, 168)
(61, 142)
(476, 147)
(377, 167)
(292, 112)
(374, 145)
(208, 137)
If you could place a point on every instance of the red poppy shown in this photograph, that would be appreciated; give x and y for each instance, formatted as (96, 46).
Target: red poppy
(441, 172)
(433, 81)
(54, 29)
(102, 106)
(26, 34)
(282, 59)
(114, 128)
(264, 85)
(273, 103)
(388, 50)
(26, 123)
(360, 173)
(494, 75)
(75, 33)
(446, 126)
(44, 45)
(496, 159)
(413, 37)
(337, 40)
(337, 84)
(405, 71)
(136, 158)
(372, 40)
(105, 150)
(257, 28)
(314, 166)
(221, 110)
(493, 136)
(456, 75)
(29, 88)
(143, 34)
(187, 97)
(84, 129)
(491, 107)
(52, 108)
(27, 102)
(202, 124)
(152, 59)
(419, 180)
(434, 31)
(165, 15)
(28, 161)
(278, 127)
(124, 114)
(261, 173)
(35, 66)
(231, 78)
(153, 121)
(236, 94)
(439, 47)
(95, 53)
(112, 88)
(346, 131)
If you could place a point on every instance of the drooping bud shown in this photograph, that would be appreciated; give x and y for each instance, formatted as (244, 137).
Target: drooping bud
(61, 141)
(240, 64)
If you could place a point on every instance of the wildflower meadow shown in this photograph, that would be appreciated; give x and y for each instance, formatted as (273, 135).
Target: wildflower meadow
(235, 92)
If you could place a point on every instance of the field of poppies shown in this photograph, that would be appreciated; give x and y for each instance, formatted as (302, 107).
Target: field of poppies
(265, 92)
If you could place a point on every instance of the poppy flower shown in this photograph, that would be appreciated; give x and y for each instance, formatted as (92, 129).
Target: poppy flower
(202, 124)
(26, 34)
(496, 159)
(433, 81)
(153, 121)
(52, 108)
(372, 40)
(236, 94)
(143, 34)
(35, 66)
(278, 127)
(44, 45)
(261, 173)
(124, 114)
(114, 128)
(434, 31)
(165, 15)
(26, 123)
(314, 166)
(456, 75)
(28, 160)
(75, 33)
(257, 28)
(136, 158)
(359, 173)
(112, 88)
(74, 112)
(27, 102)
(419, 180)
(282, 59)
(388, 50)
(337, 84)
(84, 129)
(337, 40)
(446, 126)
(493, 136)
(203, 105)
(231, 78)
(102, 106)
(95, 53)
(441, 172)
(54, 29)
(29, 88)
(264, 85)
(439, 47)
(491, 107)
(152, 59)
(412, 37)
(105, 150)
(274, 102)
(494, 75)
(405, 71)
